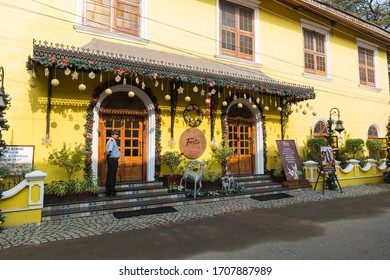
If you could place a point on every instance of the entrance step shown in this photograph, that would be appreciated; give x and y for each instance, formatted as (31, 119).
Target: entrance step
(147, 195)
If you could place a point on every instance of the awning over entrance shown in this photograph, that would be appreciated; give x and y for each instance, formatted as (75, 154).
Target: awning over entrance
(121, 59)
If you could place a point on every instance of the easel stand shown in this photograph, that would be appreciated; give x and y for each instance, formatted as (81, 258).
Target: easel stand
(330, 175)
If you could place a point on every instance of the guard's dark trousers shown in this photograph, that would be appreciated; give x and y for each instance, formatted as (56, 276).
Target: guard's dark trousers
(111, 176)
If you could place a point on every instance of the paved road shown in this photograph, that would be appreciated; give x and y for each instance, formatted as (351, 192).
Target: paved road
(346, 227)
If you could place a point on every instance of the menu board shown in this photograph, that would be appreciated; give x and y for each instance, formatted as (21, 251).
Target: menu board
(290, 159)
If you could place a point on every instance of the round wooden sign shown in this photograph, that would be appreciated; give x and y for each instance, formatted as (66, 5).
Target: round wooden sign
(192, 143)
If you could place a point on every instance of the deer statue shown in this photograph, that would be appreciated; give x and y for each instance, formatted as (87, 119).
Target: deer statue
(196, 177)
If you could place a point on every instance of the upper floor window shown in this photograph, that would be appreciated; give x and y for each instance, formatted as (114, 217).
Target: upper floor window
(367, 55)
(366, 67)
(236, 31)
(117, 16)
(316, 49)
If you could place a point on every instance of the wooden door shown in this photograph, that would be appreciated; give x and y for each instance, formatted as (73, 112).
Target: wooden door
(240, 133)
(131, 144)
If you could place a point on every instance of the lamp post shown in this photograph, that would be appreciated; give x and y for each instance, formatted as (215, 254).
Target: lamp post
(339, 125)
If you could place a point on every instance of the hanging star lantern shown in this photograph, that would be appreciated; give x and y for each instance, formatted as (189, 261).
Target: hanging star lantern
(180, 90)
(75, 75)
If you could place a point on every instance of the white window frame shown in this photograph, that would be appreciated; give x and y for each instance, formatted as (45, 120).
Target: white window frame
(306, 24)
(368, 45)
(251, 4)
(378, 128)
(142, 38)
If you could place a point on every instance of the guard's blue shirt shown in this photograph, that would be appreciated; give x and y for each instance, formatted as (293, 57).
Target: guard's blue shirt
(112, 147)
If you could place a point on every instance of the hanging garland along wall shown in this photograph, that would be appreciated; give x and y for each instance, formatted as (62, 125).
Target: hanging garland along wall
(74, 61)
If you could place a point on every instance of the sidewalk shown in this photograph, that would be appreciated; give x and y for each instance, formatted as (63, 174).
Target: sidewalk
(36, 234)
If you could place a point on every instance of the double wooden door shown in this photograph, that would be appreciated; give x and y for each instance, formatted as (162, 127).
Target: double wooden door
(240, 134)
(131, 143)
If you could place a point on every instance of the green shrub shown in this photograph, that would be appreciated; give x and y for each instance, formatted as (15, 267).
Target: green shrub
(374, 146)
(314, 148)
(171, 160)
(70, 160)
(355, 148)
(62, 188)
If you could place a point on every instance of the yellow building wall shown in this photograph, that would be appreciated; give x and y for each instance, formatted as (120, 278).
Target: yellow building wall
(281, 58)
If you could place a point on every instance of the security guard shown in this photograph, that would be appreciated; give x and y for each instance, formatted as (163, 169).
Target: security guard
(112, 156)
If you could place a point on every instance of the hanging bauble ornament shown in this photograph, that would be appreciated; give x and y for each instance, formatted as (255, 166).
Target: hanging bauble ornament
(245, 95)
(137, 80)
(167, 97)
(101, 77)
(195, 89)
(239, 105)
(219, 94)
(235, 97)
(55, 82)
(131, 94)
(230, 93)
(280, 109)
(224, 103)
(314, 113)
(91, 75)
(143, 85)
(284, 101)
(156, 84)
(162, 86)
(266, 108)
(82, 87)
(47, 72)
(208, 101)
(254, 106)
(124, 80)
(108, 91)
(257, 100)
(187, 99)
(202, 92)
(250, 100)
(118, 78)
(67, 71)
(213, 91)
(304, 112)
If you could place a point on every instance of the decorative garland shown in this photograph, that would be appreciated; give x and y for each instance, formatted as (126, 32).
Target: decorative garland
(187, 116)
(153, 72)
(158, 159)
(88, 137)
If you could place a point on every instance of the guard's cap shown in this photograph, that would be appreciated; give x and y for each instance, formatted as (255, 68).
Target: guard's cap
(115, 132)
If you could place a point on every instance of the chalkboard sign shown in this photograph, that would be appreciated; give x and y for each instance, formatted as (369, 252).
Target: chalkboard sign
(290, 160)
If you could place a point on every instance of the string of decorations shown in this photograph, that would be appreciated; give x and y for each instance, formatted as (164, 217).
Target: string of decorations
(153, 72)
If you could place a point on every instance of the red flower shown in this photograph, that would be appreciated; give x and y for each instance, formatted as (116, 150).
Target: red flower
(53, 59)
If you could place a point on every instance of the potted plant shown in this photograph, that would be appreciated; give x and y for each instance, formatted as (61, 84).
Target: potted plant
(222, 153)
(172, 160)
(374, 146)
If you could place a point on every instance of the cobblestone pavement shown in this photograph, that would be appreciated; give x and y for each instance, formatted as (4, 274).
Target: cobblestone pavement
(35, 234)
